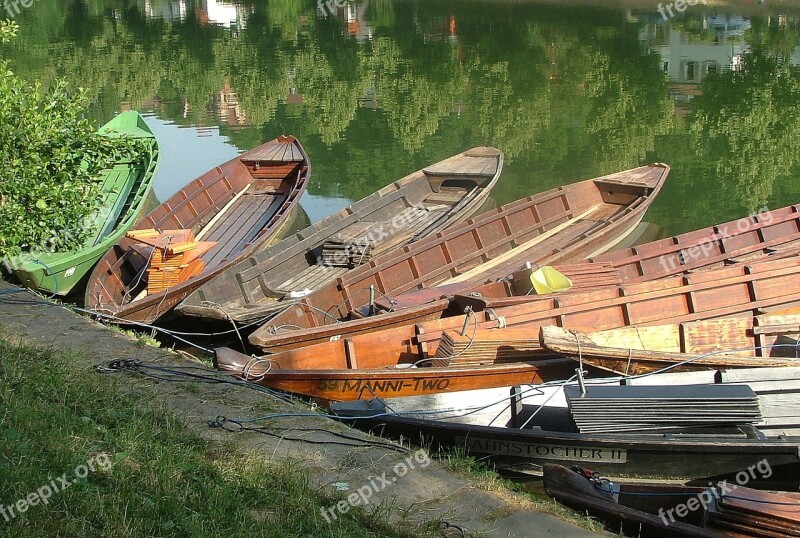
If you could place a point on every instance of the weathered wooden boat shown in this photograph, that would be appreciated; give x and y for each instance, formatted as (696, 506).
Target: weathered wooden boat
(418, 205)
(771, 234)
(240, 206)
(124, 189)
(560, 225)
(720, 510)
(740, 342)
(512, 333)
(691, 455)
(360, 378)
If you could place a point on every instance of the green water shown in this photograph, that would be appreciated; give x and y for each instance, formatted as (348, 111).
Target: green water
(380, 88)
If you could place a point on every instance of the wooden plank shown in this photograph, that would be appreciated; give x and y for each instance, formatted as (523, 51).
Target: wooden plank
(658, 338)
(758, 374)
(762, 503)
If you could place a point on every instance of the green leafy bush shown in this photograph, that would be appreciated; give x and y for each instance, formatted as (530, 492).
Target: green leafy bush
(50, 159)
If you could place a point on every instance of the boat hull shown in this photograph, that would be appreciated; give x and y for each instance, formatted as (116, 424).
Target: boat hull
(558, 226)
(60, 273)
(654, 457)
(773, 234)
(366, 383)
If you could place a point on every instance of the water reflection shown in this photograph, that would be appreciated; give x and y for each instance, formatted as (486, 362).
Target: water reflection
(225, 14)
(378, 88)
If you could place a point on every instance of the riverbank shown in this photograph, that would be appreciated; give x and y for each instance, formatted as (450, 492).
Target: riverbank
(172, 474)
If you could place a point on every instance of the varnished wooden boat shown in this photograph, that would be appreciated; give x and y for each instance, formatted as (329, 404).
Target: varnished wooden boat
(241, 206)
(557, 226)
(740, 342)
(720, 510)
(512, 333)
(688, 456)
(771, 234)
(351, 380)
(418, 205)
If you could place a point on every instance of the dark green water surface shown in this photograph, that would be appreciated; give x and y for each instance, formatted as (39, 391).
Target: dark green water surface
(379, 88)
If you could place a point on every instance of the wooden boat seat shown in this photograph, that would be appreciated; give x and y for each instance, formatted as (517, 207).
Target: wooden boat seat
(283, 152)
(312, 278)
(482, 169)
(445, 196)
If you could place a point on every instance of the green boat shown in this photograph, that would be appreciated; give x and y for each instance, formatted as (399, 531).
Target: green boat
(125, 188)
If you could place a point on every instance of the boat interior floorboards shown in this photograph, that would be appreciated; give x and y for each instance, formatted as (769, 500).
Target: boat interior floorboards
(250, 213)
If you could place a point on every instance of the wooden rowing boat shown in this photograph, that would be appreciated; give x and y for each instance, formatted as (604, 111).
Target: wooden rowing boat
(717, 511)
(557, 226)
(236, 208)
(124, 188)
(740, 342)
(548, 437)
(772, 234)
(512, 333)
(414, 207)
(353, 381)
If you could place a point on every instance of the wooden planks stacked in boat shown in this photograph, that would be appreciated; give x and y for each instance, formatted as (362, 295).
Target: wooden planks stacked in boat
(337, 250)
(609, 409)
(778, 391)
(750, 512)
(174, 256)
(455, 349)
(361, 241)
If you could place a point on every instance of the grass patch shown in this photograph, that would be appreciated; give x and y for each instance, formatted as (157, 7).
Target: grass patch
(481, 473)
(485, 477)
(163, 480)
(142, 339)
